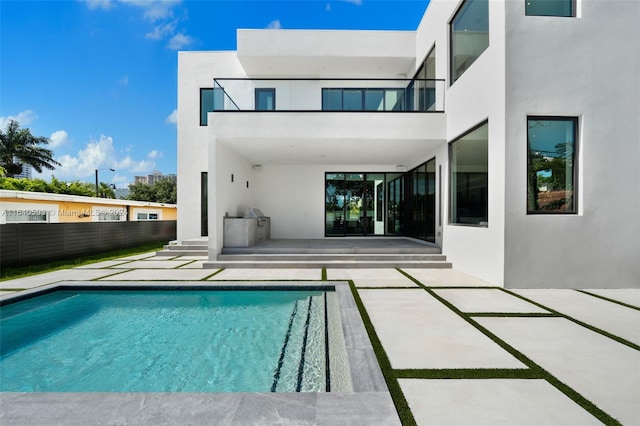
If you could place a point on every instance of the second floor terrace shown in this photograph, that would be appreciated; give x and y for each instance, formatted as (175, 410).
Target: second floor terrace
(323, 95)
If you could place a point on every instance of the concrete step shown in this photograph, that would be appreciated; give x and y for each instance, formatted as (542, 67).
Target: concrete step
(331, 250)
(328, 264)
(360, 257)
(185, 247)
(173, 253)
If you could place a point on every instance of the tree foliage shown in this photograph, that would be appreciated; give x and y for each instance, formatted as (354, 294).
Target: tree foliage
(164, 191)
(19, 146)
(56, 187)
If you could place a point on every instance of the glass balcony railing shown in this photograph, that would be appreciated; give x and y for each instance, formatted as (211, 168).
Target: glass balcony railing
(330, 95)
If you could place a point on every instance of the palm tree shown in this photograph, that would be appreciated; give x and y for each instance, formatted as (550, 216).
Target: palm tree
(19, 146)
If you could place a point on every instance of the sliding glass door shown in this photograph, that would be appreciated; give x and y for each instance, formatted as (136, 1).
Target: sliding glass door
(358, 204)
(421, 196)
(354, 204)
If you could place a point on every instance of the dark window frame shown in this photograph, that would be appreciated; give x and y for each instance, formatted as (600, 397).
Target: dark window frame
(213, 90)
(451, 189)
(572, 14)
(574, 174)
(258, 91)
(461, 8)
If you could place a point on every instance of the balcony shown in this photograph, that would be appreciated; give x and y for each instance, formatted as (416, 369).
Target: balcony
(327, 121)
(327, 95)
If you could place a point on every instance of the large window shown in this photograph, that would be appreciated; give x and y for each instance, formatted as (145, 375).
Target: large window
(469, 164)
(565, 8)
(357, 99)
(469, 35)
(210, 100)
(425, 82)
(265, 99)
(551, 171)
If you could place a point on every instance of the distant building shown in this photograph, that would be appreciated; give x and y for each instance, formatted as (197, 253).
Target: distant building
(156, 176)
(27, 171)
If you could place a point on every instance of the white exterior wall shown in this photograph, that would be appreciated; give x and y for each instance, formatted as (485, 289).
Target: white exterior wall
(587, 67)
(293, 196)
(195, 70)
(476, 96)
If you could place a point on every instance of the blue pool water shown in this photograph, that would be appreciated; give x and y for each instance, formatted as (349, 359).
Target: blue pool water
(164, 341)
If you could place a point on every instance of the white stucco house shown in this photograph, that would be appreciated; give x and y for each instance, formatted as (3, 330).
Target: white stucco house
(505, 132)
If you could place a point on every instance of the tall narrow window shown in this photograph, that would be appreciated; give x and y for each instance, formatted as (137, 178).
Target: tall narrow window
(210, 100)
(469, 35)
(564, 8)
(425, 83)
(551, 171)
(469, 164)
(265, 99)
(204, 204)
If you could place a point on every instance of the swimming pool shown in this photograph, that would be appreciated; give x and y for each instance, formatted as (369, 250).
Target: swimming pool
(172, 339)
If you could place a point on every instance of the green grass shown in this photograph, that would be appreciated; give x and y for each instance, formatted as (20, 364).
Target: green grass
(402, 406)
(25, 271)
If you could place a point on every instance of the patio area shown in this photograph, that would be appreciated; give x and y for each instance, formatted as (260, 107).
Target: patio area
(454, 350)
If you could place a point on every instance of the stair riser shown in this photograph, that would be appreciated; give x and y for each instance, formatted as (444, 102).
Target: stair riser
(327, 257)
(332, 265)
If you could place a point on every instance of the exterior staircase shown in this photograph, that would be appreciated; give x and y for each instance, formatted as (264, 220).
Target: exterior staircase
(193, 247)
(322, 253)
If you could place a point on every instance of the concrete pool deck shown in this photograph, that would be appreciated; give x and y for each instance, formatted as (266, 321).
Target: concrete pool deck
(457, 350)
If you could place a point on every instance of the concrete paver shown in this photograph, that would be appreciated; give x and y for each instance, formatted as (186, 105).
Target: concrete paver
(487, 300)
(602, 370)
(152, 264)
(55, 276)
(417, 331)
(611, 317)
(104, 264)
(371, 277)
(491, 402)
(139, 256)
(445, 278)
(161, 275)
(268, 274)
(630, 296)
(194, 265)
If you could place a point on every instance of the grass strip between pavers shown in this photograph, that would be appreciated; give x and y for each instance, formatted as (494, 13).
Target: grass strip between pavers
(608, 299)
(323, 276)
(402, 406)
(468, 373)
(577, 321)
(513, 314)
(575, 396)
(212, 274)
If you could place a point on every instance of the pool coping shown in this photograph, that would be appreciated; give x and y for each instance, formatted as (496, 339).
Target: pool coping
(369, 403)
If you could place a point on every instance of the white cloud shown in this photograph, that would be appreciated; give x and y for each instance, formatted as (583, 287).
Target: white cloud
(154, 154)
(358, 2)
(179, 41)
(161, 31)
(154, 9)
(99, 4)
(24, 118)
(172, 118)
(98, 154)
(327, 8)
(274, 25)
(58, 138)
(124, 81)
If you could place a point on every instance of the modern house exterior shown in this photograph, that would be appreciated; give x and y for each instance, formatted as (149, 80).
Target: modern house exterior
(505, 132)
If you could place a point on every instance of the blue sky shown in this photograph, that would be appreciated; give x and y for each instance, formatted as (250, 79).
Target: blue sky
(98, 77)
